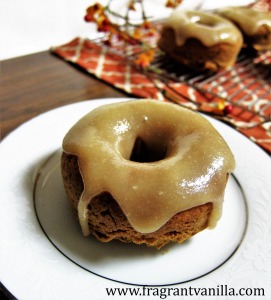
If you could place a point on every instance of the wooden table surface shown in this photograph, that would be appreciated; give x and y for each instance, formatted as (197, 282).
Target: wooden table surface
(36, 83)
(33, 84)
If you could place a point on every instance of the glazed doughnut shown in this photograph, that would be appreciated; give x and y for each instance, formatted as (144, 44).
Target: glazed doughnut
(145, 171)
(200, 40)
(255, 25)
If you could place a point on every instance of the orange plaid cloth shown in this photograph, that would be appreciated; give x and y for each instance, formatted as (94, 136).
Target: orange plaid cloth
(116, 71)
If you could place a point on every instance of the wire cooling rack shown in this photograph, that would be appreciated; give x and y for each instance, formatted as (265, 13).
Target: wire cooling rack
(245, 87)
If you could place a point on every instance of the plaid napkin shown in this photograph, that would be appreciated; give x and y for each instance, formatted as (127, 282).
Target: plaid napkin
(117, 71)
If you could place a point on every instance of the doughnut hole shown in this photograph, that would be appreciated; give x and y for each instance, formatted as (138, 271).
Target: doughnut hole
(144, 152)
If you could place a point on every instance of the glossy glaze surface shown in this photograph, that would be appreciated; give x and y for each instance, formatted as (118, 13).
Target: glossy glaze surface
(210, 29)
(248, 20)
(193, 169)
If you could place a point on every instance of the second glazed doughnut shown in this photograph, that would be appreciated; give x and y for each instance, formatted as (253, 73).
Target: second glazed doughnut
(255, 25)
(200, 40)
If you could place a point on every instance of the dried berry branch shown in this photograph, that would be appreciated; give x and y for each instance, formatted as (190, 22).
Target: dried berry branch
(125, 30)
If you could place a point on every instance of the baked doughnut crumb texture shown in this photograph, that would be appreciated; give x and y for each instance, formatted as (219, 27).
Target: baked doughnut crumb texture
(145, 172)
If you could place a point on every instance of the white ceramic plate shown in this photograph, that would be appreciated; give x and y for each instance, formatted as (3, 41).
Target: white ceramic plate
(44, 256)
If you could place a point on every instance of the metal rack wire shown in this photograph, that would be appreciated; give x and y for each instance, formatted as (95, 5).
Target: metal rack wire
(246, 86)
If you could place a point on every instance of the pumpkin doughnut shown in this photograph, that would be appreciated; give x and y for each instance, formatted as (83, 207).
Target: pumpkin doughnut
(146, 172)
(254, 25)
(200, 40)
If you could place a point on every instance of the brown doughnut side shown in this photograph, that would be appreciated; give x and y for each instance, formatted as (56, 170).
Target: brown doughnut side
(107, 221)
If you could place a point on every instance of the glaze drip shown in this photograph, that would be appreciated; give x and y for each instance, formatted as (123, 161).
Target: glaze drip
(190, 165)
